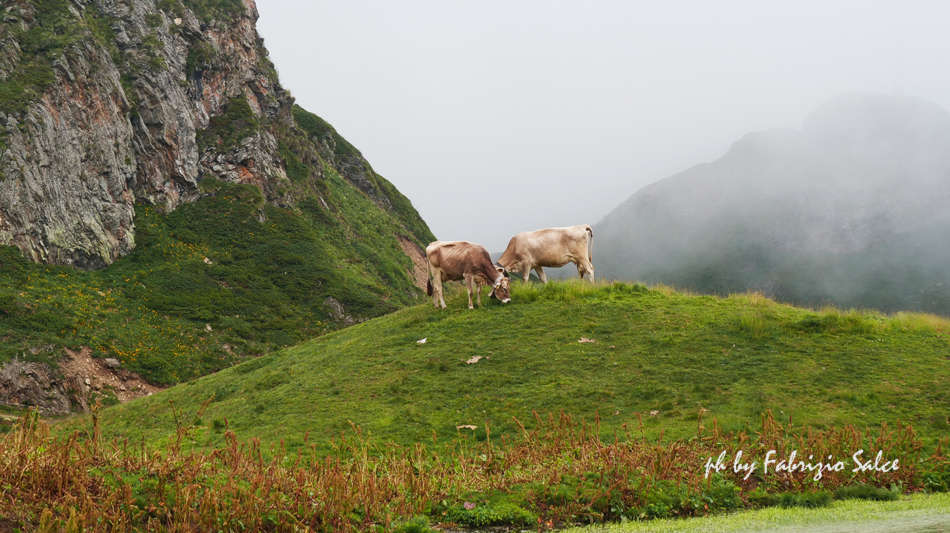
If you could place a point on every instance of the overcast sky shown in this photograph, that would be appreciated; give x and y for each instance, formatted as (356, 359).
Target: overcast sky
(496, 117)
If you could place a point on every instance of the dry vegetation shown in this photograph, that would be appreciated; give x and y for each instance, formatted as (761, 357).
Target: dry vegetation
(562, 472)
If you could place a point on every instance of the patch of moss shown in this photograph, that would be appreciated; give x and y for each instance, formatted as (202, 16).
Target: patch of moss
(321, 131)
(102, 31)
(152, 47)
(235, 123)
(296, 170)
(208, 11)
(172, 7)
(154, 20)
(200, 58)
(54, 28)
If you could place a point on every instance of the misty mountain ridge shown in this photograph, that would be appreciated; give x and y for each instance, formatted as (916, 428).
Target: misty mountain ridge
(849, 210)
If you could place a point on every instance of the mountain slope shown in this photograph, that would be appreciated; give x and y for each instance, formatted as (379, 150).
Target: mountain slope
(151, 145)
(656, 355)
(849, 210)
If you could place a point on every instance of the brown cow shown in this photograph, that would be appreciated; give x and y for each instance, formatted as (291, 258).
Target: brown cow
(551, 247)
(460, 260)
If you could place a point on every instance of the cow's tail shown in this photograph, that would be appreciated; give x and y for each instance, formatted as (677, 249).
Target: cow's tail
(590, 243)
(428, 287)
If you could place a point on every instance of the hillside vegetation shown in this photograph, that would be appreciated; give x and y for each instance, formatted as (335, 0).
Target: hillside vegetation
(556, 474)
(215, 281)
(207, 218)
(656, 361)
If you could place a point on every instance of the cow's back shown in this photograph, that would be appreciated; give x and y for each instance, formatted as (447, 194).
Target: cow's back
(456, 258)
(553, 246)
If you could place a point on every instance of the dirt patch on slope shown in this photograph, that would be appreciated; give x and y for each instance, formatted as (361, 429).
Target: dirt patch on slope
(72, 385)
(92, 374)
(420, 274)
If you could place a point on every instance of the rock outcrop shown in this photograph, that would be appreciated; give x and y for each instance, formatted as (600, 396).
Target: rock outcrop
(106, 103)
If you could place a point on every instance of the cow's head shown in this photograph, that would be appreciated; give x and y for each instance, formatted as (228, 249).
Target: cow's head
(502, 287)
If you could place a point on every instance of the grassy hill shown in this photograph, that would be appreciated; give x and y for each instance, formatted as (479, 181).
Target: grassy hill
(657, 358)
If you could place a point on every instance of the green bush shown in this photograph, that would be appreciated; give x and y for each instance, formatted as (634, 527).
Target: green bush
(865, 492)
(760, 498)
(200, 58)
(484, 514)
(321, 131)
(210, 10)
(420, 524)
(937, 478)
(235, 123)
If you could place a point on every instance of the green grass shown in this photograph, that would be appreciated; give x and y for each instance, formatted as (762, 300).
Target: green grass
(917, 513)
(658, 356)
(226, 131)
(270, 271)
(53, 29)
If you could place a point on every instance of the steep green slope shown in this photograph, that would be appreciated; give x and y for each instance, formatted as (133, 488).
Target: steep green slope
(226, 277)
(655, 355)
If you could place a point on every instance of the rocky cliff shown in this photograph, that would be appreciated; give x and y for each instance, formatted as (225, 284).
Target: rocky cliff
(165, 205)
(106, 103)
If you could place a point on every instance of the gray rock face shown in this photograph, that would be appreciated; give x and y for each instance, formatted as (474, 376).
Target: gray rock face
(119, 125)
(29, 384)
(65, 196)
(338, 312)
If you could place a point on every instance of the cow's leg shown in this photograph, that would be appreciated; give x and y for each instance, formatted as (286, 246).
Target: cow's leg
(437, 295)
(438, 290)
(435, 281)
(469, 286)
(478, 293)
(442, 295)
(541, 274)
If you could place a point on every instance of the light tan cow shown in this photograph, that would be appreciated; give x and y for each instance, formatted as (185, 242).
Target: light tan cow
(461, 260)
(551, 247)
